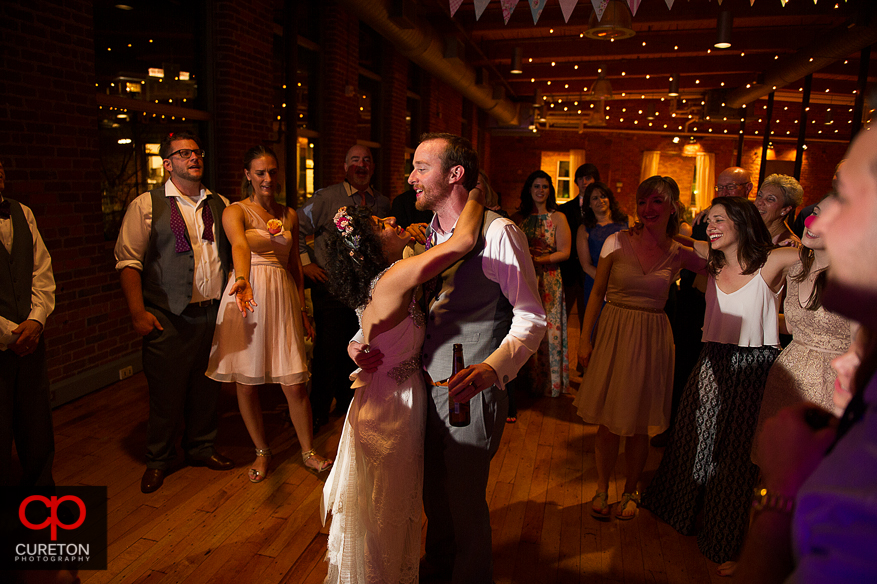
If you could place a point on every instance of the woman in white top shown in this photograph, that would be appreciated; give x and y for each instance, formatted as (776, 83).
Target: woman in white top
(706, 466)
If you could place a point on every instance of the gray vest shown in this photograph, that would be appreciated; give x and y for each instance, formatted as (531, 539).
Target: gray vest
(167, 275)
(16, 270)
(469, 309)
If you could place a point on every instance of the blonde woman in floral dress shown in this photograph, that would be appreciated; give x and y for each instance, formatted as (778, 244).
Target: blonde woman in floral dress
(548, 234)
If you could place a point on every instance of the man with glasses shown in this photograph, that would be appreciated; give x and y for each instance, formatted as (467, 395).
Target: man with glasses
(173, 260)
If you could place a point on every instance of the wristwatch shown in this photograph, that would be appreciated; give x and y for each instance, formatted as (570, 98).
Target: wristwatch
(763, 499)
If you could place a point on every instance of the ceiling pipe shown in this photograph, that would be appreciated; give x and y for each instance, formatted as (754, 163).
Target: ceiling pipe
(424, 46)
(837, 45)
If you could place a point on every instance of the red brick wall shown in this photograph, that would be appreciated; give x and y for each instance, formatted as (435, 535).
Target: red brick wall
(340, 68)
(245, 86)
(394, 83)
(48, 145)
(619, 157)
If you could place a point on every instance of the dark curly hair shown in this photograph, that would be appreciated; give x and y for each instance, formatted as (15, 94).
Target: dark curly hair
(615, 212)
(753, 238)
(351, 270)
(527, 204)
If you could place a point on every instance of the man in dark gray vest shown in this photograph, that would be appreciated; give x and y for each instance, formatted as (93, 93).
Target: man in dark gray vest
(488, 302)
(27, 298)
(173, 260)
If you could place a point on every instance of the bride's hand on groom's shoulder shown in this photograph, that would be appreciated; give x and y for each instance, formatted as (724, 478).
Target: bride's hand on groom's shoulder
(365, 357)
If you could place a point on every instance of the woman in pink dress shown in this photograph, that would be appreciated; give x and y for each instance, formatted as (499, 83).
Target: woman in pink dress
(261, 325)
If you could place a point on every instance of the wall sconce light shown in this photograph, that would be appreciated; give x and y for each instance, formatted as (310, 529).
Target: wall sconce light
(516, 61)
(674, 86)
(724, 25)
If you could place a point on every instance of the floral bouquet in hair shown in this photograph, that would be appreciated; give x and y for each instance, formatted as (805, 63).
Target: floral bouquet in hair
(275, 226)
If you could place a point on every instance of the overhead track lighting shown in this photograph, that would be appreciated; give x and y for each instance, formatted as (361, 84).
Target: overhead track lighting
(601, 89)
(516, 61)
(674, 86)
(724, 25)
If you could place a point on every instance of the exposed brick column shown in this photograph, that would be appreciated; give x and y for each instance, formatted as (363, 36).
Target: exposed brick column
(49, 148)
(340, 69)
(245, 79)
(394, 83)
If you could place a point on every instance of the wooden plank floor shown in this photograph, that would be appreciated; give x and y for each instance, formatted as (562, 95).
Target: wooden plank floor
(206, 526)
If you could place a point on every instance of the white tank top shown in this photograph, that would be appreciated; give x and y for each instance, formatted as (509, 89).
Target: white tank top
(746, 318)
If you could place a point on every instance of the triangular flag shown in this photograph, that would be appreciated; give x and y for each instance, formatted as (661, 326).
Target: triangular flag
(720, 2)
(751, 2)
(508, 6)
(455, 4)
(784, 2)
(599, 8)
(634, 6)
(480, 5)
(670, 4)
(536, 7)
(566, 6)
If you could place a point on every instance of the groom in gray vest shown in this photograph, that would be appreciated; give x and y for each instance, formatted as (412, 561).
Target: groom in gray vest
(488, 302)
(173, 259)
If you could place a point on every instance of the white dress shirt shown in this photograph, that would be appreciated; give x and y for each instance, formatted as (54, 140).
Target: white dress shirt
(42, 300)
(136, 227)
(506, 261)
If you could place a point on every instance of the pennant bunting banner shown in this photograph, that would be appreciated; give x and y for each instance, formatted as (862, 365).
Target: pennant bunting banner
(536, 7)
(670, 4)
(455, 4)
(567, 6)
(599, 8)
(480, 5)
(634, 5)
(508, 6)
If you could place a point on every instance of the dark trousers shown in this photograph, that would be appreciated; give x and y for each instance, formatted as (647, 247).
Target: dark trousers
(26, 417)
(174, 361)
(336, 324)
(456, 468)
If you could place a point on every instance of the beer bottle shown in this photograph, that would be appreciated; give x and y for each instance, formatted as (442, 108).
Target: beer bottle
(458, 412)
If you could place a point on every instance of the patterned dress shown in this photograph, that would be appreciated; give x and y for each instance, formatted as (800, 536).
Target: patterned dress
(706, 466)
(549, 367)
(803, 370)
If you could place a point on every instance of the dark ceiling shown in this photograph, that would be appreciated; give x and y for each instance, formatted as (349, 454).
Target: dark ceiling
(771, 44)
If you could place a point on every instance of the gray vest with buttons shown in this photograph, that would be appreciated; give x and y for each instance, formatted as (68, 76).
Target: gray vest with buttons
(167, 275)
(16, 269)
(468, 308)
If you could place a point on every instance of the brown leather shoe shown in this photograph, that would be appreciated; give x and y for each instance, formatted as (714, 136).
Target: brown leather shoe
(215, 462)
(152, 480)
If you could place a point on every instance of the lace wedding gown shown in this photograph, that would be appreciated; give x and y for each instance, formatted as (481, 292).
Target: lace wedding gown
(375, 487)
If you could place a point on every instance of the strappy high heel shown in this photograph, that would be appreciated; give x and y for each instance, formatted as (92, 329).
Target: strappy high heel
(254, 475)
(324, 463)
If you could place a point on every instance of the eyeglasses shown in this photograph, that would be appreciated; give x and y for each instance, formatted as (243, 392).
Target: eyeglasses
(186, 154)
(730, 187)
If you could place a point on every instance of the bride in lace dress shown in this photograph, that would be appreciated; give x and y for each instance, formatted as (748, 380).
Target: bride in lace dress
(374, 489)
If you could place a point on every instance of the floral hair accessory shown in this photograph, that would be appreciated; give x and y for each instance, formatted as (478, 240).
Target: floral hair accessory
(345, 227)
